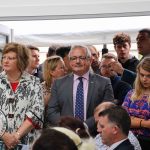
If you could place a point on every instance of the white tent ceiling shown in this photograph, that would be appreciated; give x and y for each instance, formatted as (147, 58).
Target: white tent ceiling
(58, 9)
(92, 22)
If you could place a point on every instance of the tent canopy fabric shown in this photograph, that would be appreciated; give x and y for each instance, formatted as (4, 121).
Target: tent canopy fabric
(72, 22)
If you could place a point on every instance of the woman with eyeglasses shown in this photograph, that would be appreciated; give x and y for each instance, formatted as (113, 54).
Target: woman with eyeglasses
(137, 103)
(21, 98)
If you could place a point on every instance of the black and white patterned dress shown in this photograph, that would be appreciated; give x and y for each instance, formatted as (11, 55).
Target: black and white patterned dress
(26, 101)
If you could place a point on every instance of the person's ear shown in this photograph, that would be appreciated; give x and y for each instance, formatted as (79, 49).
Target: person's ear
(115, 129)
(52, 73)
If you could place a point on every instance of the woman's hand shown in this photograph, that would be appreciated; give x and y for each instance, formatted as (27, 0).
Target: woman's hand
(10, 140)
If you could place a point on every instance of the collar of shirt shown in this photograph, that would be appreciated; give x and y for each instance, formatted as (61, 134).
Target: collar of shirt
(113, 146)
(34, 71)
(85, 76)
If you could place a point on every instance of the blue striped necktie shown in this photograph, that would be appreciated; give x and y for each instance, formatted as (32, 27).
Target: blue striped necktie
(79, 103)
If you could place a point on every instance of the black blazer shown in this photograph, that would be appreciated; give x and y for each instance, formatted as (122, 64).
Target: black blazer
(120, 89)
(125, 145)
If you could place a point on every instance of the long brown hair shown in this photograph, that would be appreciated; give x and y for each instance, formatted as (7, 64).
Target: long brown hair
(139, 89)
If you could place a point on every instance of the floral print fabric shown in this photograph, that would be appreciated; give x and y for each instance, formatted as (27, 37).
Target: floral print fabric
(138, 108)
(26, 101)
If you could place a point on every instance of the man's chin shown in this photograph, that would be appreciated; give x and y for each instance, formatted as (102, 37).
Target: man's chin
(103, 141)
(78, 72)
(123, 57)
(94, 64)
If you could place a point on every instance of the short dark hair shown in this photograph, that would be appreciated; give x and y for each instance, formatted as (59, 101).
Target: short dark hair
(121, 38)
(119, 116)
(63, 51)
(55, 140)
(146, 30)
(51, 51)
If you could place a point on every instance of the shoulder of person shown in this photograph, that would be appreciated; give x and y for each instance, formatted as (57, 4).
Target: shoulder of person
(88, 144)
(134, 60)
(63, 80)
(30, 78)
(2, 74)
(122, 84)
(99, 77)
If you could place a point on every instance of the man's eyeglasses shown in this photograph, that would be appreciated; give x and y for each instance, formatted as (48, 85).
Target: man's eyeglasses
(8, 58)
(105, 66)
(81, 58)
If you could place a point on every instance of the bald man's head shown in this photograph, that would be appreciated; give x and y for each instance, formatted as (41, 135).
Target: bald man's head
(101, 107)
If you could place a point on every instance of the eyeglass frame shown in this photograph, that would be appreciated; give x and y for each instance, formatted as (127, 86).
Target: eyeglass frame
(105, 66)
(81, 58)
(8, 58)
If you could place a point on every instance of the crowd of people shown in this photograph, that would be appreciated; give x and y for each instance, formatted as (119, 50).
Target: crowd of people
(74, 100)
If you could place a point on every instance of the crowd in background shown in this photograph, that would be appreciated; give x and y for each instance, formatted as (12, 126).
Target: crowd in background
(74, 100)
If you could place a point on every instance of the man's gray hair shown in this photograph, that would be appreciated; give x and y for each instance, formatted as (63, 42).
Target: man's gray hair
(88, 52)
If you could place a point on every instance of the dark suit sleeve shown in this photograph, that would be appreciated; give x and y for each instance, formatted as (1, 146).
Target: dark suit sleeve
(102, 92)
(108, 91)
(92, 126)
(128, 76)
(120, 91)
(53, 111)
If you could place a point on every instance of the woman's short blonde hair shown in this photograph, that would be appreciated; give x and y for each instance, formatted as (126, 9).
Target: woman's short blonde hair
(22, 52)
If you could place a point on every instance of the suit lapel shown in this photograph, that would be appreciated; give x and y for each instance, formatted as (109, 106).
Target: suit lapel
(69, 90)
(124, 144)
(90, 88)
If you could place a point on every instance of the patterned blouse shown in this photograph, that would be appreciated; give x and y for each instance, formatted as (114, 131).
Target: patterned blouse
(46, 93)
(26, 101)
(140, 109)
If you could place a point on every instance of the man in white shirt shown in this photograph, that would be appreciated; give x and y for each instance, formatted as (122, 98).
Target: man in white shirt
(98, 139)
(113, 126)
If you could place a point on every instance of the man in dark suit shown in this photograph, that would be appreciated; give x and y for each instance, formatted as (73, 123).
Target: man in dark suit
(113, 126)
(63, 93)
(120, 87)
